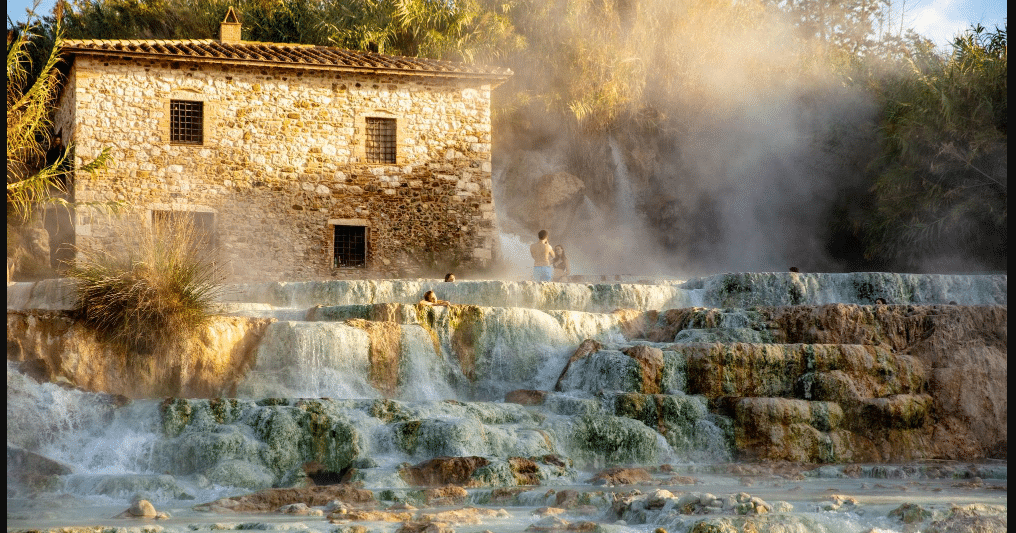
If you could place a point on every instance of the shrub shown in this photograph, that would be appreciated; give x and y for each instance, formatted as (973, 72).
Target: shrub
(153, 287)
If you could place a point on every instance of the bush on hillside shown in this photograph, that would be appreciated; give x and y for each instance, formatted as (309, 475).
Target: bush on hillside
(153, 287)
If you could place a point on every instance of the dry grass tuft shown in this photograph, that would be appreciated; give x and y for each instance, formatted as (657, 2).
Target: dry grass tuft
(154, 287)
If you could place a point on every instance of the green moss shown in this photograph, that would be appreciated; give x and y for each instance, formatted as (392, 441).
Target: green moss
(196, 452)
(795, 294)
(865, 291)
(388, 411)
(224, 410)
(273, 401)
(495, 474)
(614, 440)
(408, 435)
(176, 414)
(676, 417)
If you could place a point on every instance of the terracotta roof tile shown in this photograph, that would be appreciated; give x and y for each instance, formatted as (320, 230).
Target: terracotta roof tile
(291, 55)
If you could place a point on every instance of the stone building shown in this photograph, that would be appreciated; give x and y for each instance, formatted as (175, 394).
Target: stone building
(297, 161)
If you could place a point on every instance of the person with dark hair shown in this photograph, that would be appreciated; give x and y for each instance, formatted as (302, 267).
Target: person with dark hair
(561, 268)
(542, 254)
(449, 277)
(429, 298)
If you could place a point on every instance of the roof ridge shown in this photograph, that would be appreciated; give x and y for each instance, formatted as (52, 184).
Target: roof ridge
(293, 54)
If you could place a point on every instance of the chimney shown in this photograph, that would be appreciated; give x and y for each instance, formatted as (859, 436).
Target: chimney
(229, 30)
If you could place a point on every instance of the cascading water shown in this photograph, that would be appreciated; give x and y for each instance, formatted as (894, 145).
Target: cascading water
(629, 250)
(358, 382)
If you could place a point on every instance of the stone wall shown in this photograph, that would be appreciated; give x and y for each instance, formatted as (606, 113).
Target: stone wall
(282, 162)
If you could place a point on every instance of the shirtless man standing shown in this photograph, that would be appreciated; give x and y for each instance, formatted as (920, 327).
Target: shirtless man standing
(542, 255)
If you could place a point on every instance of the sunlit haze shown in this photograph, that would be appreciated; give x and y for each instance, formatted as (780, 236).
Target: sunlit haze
(939, 20)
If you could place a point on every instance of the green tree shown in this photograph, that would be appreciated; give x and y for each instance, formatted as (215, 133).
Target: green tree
(30, 98)
(144, 19)
(465, 30)
(940, 185)
(847, 26)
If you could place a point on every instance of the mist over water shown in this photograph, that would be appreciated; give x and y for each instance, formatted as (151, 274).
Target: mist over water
(730, 157)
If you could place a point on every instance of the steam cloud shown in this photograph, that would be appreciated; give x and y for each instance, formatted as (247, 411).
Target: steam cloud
(735, 169)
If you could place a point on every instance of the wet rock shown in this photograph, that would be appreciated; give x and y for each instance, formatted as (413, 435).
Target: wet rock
(650, 362)
(322, 475)
(910, 513)
(247, 439)
(142, 509)
(776, 370)
(363, 515)
(780, 506)
(621, 476)
(841, 503)
(240, 474)
(688, 503)
(673, 321)
(33, 470)
(614, 440)
(965, 345)
(300, 509)
(443, 471)
(553, 523)
(467, 515)
(757, 524)
(526, 471)
(676, 417)
(442, 496)
(526, 397)
(587, 347)
(549, 523)
(354, 528)
(503, 496)
(210, 364)
(977, 517)
(789, 430)
(128, 486)
(272, 499)
(424, 527)
(384, 353)
(567, 498)
(658, 498)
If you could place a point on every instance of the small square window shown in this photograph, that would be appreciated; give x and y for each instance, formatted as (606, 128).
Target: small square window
(380, 140)
(186, 122)
(350, 249)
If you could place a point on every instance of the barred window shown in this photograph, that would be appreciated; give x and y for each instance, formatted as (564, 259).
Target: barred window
(350, 247)
(380, 140)
(186, 122)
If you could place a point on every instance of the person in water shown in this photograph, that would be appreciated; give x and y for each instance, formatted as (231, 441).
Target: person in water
(449, 278)
(429, 298)
(561, 268)
(542, 254)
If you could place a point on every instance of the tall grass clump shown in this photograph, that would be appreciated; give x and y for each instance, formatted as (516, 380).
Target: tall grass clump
(153, 288)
